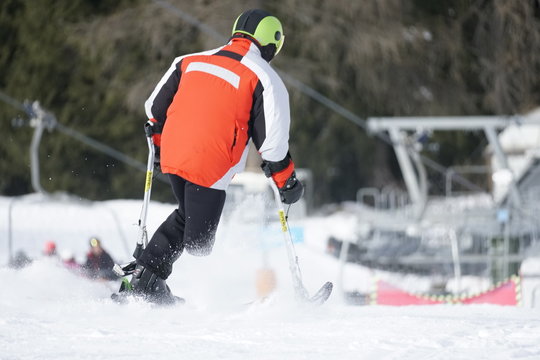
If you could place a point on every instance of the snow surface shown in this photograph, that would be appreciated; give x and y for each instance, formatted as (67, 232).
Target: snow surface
(50, 312)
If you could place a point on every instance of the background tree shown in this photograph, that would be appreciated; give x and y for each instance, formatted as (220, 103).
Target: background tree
(93, 63)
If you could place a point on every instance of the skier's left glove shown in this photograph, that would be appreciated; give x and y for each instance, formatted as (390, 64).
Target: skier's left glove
(282, 172)
(292, 191)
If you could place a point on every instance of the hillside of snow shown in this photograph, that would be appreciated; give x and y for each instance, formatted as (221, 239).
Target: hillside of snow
(50, 312)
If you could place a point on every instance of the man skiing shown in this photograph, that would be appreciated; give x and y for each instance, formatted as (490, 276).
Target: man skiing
(203, 112)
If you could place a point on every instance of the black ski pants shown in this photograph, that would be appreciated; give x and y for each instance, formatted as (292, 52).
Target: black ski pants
(191, 227)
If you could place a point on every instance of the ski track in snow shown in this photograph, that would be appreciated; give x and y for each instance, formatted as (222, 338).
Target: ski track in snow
(46, 312)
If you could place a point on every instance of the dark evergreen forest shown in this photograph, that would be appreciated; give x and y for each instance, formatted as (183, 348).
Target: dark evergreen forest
(93, 64)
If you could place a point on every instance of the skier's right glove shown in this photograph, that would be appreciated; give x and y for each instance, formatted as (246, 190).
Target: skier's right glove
(282, 172)
(153, 129)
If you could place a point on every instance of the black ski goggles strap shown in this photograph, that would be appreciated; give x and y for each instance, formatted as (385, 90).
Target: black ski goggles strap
(272, 167)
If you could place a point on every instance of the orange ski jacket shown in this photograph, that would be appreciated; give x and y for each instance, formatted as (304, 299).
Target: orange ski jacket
(210, 104)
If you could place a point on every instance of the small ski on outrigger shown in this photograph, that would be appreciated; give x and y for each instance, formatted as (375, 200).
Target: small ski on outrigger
(300, 291)
(126, 290)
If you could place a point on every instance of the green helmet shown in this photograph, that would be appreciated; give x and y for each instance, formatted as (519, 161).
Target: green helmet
(264, 28)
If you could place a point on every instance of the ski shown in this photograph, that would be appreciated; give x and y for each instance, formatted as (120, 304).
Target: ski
(322, 295)
(126, 293)
(124, 298)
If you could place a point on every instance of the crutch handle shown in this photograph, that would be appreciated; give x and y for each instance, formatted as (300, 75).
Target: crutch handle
(149, 129)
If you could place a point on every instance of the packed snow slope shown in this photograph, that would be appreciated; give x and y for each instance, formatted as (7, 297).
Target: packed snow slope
(47, 312)
(50, 312)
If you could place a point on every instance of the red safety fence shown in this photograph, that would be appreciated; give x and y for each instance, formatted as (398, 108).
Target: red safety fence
(504, 293)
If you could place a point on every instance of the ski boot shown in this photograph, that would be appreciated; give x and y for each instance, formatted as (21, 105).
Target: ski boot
(144, 283)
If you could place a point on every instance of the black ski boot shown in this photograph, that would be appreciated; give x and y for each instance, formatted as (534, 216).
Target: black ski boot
(144, 282)
(150, 286)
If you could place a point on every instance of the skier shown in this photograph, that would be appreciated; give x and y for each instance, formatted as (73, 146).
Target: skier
(20, 260)
(69, 261)
(49, 250)
(203, 112)
(99, 263)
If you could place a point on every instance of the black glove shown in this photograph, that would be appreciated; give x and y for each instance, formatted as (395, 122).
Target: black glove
(153, 129)
(292, 191)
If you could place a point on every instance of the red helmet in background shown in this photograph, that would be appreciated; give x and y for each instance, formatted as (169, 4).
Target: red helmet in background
(50, 248)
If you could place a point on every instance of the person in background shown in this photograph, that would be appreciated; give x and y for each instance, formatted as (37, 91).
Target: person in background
(50, 249)
(20, 260)
(99, 264)
(68, 259)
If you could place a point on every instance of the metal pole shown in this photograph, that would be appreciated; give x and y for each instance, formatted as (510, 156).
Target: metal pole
(503, 162)
(422, 178)
(456, 259)
(342, 262)
(10, 229)
(506, 265)
(36, 122)
(533, 296)
(407, 170)
(119, 228)
(449, 175)
(143, 235)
